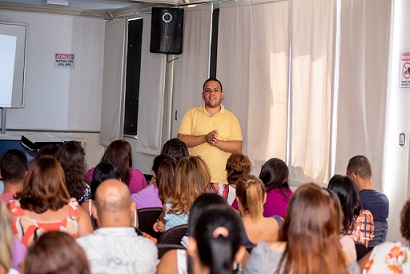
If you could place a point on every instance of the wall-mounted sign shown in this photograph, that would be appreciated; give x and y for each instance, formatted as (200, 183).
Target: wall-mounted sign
(405, 70)
(64, 60)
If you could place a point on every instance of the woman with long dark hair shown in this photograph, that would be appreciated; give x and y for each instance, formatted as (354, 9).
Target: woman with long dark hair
(308, 241)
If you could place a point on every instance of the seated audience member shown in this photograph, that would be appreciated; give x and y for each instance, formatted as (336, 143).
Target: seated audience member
(163, 173)
(13, 169)
(176, 261)
(392, 257)
(215, 244)
(308, 241)
(115, 246)
(251, 196)
(237, 166)
(72, 158)
(175, 148)
(45, 205)
(192, 178)
(102, 172)
(12, 252)
(348, 245)
(360, 171)
(56, 253)
(119, 153)
(357, 223)
(50, 150)
(274, 175)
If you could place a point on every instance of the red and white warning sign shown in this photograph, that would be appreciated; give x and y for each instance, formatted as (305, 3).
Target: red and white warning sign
(405, 70)
(64, 60)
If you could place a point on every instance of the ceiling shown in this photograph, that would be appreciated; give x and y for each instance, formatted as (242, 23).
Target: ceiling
(98, 8)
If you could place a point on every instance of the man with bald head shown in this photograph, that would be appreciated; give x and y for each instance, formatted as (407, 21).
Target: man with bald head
(115, 246)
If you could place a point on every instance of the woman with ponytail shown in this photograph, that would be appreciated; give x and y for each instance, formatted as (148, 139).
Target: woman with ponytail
(215, 244)
(251, 196)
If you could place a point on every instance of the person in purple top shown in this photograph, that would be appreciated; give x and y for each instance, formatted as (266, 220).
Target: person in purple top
(274, 175)
(119, 153)
(163, 171)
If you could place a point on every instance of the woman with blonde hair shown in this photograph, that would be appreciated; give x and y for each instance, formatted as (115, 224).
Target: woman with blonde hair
(44, 204)
(251, 196)
(192, 178)
(308, 241)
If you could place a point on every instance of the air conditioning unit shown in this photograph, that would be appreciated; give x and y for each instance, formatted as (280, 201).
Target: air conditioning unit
(63, 3)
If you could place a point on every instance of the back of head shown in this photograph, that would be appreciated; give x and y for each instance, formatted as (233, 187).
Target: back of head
(6, 236)
(361, 166)
(56, 253)
(175, 148)
(349, 198)
(200, 204)
(274, 174)
(119, 153)
(218, 234)
(50, 150)
(192, 179)
(112, 201)
(44, 186)
(405, 221)
(250, 192)
(311, 230)
(13, 166)
(72, 158)
(164, 168)
(102, 172)
(237, 165)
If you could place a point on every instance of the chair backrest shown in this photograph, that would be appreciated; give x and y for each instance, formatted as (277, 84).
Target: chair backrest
(163, 248)
(147, 218)
(361, 250)
(173, 235)
(380, 232)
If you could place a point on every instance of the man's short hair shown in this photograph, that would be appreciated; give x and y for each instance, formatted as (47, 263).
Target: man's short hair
(13, 165)
(211, 79)
(360, 165)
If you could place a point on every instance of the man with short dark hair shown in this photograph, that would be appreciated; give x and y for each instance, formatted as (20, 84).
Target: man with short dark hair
(115, 246)
(13, 169)
(212, 132)
(360, 171)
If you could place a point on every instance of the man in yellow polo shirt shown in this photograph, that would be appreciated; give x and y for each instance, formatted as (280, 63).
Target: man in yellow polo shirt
(212, 132)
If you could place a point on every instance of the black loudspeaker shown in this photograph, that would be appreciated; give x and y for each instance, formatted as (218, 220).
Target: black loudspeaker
(166, 30)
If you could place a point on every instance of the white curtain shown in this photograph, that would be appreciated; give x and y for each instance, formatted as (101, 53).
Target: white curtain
(192, 66)
(364, 53)
(112, 93)
(151, 100)
(311, 89)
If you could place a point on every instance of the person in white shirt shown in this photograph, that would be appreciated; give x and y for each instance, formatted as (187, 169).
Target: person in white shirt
(115, 246)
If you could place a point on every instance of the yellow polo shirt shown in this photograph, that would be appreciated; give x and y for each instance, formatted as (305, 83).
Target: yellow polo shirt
(197, 121)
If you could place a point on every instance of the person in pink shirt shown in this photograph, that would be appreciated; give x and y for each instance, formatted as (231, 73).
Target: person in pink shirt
(275, 175)
(119, 153)
(13, 169)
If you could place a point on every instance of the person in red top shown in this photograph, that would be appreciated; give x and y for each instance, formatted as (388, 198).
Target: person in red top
(45, 205)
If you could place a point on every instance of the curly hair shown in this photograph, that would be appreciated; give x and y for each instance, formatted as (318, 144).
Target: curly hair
(405, 221)
(72, 158)
(237, 166)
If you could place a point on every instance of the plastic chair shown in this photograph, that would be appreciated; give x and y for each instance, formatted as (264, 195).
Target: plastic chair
(380, 232)
(147, 218)
(173, 235)
(164, 248)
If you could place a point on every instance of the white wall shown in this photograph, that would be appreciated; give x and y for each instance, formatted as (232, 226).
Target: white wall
(60, 98)
(396, 162)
